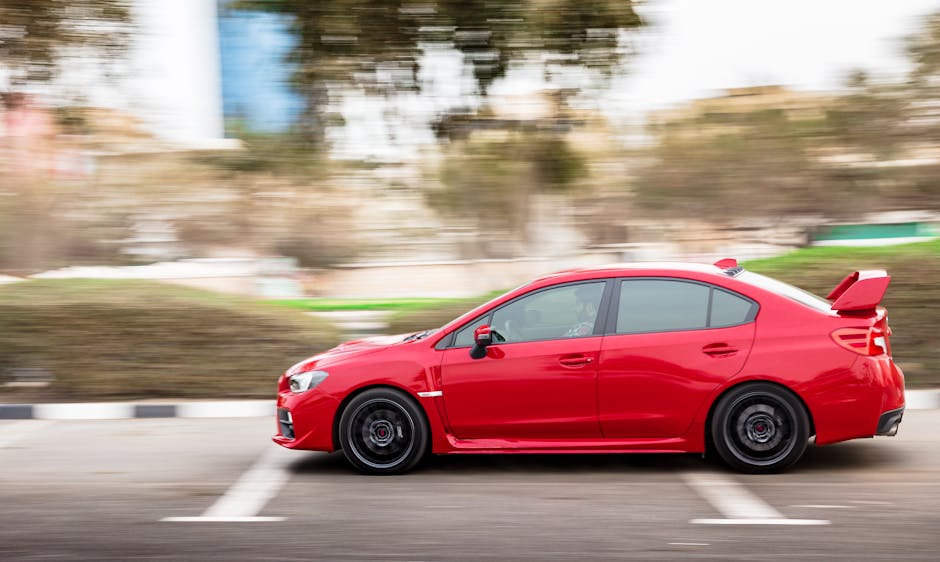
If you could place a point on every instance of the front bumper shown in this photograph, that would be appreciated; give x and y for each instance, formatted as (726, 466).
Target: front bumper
(889, 422)
(305, 421)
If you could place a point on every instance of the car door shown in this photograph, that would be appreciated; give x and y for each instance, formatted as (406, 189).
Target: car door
(540, 381)
(670, 342)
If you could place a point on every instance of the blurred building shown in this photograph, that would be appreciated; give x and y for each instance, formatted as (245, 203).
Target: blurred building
(255, 91)
(175, 79)
(724, 109)
(198, 67)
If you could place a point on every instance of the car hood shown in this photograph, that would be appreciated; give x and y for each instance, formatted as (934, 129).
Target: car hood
(352, 348)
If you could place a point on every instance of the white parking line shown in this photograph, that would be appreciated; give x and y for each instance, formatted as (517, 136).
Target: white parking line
(736, 503)
(19, 430)
(248, 496)
(823, 506)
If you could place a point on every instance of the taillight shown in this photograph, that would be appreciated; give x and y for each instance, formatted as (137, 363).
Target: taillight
(864, 341)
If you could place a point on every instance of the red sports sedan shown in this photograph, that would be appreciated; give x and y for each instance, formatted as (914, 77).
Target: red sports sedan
(626, 358)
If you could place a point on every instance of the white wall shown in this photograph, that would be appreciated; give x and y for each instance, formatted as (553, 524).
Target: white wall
(175, 83)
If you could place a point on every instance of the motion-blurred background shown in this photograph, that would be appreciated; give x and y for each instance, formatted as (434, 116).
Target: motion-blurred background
(329, 169)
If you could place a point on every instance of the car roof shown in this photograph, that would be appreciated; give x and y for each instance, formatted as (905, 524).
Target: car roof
(633, 268)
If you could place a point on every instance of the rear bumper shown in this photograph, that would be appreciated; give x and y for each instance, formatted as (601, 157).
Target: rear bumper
(889, 422)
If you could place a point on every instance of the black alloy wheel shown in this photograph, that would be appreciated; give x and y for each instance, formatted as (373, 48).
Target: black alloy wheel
(383, 431)
(760, 427)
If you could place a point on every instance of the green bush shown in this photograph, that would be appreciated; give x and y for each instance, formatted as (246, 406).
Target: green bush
(139, 340)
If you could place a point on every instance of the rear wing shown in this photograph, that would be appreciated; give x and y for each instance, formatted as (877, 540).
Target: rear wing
(861, 290)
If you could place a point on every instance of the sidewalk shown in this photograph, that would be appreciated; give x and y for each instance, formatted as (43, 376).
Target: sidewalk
(916, 400)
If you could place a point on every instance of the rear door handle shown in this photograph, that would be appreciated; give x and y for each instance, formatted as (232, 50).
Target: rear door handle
(719, 350)
(577, 361)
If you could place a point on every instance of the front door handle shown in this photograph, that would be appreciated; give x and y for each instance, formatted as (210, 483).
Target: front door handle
(719, 350)
(576, 361)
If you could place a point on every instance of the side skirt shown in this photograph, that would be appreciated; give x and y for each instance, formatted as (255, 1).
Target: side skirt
(547, 446)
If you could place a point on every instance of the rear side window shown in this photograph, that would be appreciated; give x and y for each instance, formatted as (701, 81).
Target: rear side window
(793, 293)
(729, 309)
(667, 305)
(659, 305)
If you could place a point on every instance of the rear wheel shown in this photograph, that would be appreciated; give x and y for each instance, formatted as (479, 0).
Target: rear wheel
(382, 431)
(760, 427)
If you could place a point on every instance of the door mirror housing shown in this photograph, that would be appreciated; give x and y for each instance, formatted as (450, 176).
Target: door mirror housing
(482, 337)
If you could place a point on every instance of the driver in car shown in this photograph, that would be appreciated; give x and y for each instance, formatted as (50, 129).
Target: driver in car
(586, 312)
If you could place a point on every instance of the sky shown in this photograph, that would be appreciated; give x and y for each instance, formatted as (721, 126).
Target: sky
(695, 48)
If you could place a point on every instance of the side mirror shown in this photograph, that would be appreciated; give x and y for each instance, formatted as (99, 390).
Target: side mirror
(482, 337)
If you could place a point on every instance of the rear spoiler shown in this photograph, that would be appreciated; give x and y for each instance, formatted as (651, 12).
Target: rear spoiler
(861, 290)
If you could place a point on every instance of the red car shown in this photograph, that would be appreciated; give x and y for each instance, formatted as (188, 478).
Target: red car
(626, 358)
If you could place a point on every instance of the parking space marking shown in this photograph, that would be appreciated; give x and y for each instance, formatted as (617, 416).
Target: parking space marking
(17, 431)
(247, 497)
(738, 505)
(823, 506)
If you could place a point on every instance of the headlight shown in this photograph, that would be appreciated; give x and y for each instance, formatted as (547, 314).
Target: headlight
(302, 382)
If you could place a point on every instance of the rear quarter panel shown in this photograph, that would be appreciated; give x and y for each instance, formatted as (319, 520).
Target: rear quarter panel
(793, 348)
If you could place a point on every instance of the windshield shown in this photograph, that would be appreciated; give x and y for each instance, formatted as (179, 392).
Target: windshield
(793, 293)
(488, 303)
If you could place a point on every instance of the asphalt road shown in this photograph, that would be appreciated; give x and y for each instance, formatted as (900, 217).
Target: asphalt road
(214, 489)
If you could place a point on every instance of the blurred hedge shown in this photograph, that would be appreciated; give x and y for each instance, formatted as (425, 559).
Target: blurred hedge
(138, 340)
(433, 316)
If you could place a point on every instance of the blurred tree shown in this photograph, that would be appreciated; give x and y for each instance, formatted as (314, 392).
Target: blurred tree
(376, 44)
(488, 182)
(923, 87)
(730, 166)
(870, 118)
(35, 35)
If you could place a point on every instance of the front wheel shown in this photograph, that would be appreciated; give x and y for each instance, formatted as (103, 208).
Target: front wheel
(382, 431)
(760, 427)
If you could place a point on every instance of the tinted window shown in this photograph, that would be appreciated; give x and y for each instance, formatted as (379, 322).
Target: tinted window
(781, 288)
(562, 312)
(729, 309)
(659, 305)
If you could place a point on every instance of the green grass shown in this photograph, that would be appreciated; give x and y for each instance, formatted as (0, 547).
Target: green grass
(816, 255)
(139, 340)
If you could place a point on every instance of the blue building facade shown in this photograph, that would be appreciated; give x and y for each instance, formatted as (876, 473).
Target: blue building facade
(256, 94)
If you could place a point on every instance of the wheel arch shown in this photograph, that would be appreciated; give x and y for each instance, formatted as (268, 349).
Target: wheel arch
(349, 397)
(714, 404)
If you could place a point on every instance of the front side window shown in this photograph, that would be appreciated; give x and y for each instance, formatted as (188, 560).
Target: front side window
(569, 311)
(464, 337)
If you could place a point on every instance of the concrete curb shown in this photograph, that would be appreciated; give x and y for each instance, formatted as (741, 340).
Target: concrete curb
(130, 410)
(916, 400)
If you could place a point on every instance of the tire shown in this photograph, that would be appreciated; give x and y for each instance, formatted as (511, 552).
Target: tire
(760, 428)
(383, 431)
